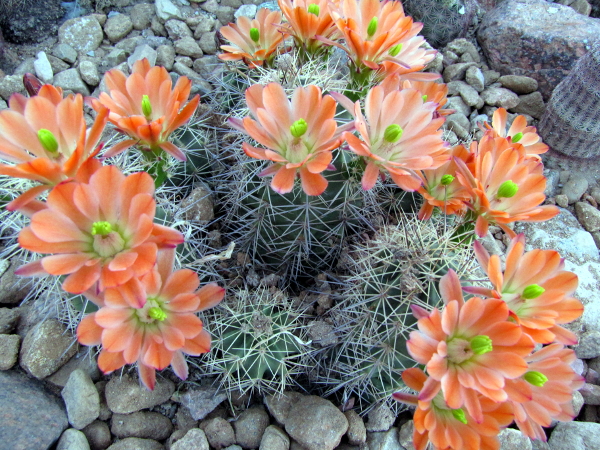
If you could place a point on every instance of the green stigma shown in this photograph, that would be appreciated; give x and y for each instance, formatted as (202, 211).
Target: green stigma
(459, 415)
(536, 378)
(372, 28)
(314, 9)
(298, 128)
(395, 50)
(446, 179)
(393, 133)
(146, 106)
(48, 140)
(481, 344)
(533, 291)
(254, 34)
(102, 228)
(517, 137)
(508, 189)
(424, 97)
(157, 314)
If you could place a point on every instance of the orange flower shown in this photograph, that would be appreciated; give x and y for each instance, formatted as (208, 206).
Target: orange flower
(144, 107)
(518, 132)
(97, 231)
(157, 334)
(399, 135)
(254, 41)
(452, 428)
(536, 288)
(504, 185)
(46, 137)
(468, 348)
(299, 135)
(545, 392)
(430, 90)
(306, 20)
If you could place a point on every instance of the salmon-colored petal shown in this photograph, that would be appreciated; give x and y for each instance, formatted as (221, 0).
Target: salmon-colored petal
(210, 295)
(181, 281)
(81, 280)
(88, 331)
(198, 345)
(172, 337)
(157, 356)
(283, 181)
(179, 365)
(109, 362)
(64, 264)
(147, 375)
(189, 324)
(312, 183)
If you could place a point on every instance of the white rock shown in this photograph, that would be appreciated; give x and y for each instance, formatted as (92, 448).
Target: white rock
(246, 10)
(43, 68)
(165, 10)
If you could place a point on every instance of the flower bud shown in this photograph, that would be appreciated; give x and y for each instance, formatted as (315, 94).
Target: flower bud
(393, 133)
(48, 140)
(533, 291)
(508, 189)
(298, 128)
(102, 228)
(395, 49)
(313, 8)
(517, 137)
(459, 415)
(446, 179)
(146, 106)
(481, 344)
(536, 378)
(372, 28)
(157, 314)
(254, 34)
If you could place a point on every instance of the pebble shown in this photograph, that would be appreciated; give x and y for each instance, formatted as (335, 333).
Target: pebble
(474, 77)
(577, 402)
(141, 15)
(165, 10)
(89, 73)
(141, 424)
(208, 43)
(9, 85)
(117, 27)
(511, 439)
(575, 188)
(562, 200)
(591, 394)
(134, 443)
(384, 440)
(70, 80)
(202, 401)
(81, 399)
(595, 193)
(219, 432)
(490, 77)
(125, 394)
(575, 436)
(65, 52)
(357, 432)
(43, 68)
(8, 319)
(458, 104)
(250, 426)
(459, 124)
(83, 34)
(177, 29)
(198, 206)
(519, 84)
(461, 46)
(72, 439)
(98, 435)
(497, 96)
(9, 350)
(470, 96)
(381, 418)
(141, 52)
(206, 24)
(194, 439)
(456, 71)
(165, 56)
(187, 46)
(279, 405)
(588, 216)
(552, 179)
(531, 104)
(274, 438)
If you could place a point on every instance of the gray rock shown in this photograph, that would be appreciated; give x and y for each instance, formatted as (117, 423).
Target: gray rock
(70, 80)
(459, 124)
(210, 6)
(134, 443)
(57, 64)
(595, 193)
(490, 77)
(177, 29)
(357, 432)
(81, 399)
(141, 52)
(233, 447)
(225, 14)
(591, 394)
(531, 104)
(552, 180)
(98, 435)
(206, 24)
(8, 319)
(141, 424)
(208, 43)
(449, 58)
(384, 440)
(321, 333)
(562, 200)
(575, 188)
(83, 34)
(187, 46)
(9, 350)
(279, 405)
(115, 57)
(477, 121)
(194, 439)
(205, 65)
(456, 71)
(165, 10)
(65, 52)
(470, 96)
(89, 73)
(274, 438)
(474, 77)
(165, 56)
(31, 417)
(539, 445)
(588, 216)
(185, 60)
(575, 436)
(141, 15)
(46, 348)
(519, 84)
(202, 401)
(589, 345)
(198, 83)
(577, 402)
(250, 426)
(461, 46)
(125, 395)
(198, 205)
(43, 68)
(405, 435)
(73, 439)
(157, 27)
(497, 96)
(117, 27)
(511, 439)
(219, 432)
(381, 418)
(458, 104)
(316, 423)
(129, 44)
(9, 85)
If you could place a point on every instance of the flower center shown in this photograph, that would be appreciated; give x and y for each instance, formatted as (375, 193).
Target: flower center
(48, 140)
(507, 189)
(372, 28)
(106, 241)
(152, 312)
(460, 350)
(536, 378)
(254, 34)
(393, 133)
(146, 107)
(446, 179)
(313, 8)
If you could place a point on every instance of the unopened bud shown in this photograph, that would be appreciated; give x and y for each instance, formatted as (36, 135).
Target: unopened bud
(372, 28)
(298, 128)
(146, 106)
(254, 34)
(102, 228)
(481, 344)
(517, 137)
(48, 140)
(459, 415)
(508, 189)
(393, 133)
(395, 50)
(533, 291)
(314, 9)
(446, 179)
(157, 314)
(536, 378)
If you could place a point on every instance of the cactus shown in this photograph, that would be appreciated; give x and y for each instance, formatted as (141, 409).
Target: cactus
(401, 265)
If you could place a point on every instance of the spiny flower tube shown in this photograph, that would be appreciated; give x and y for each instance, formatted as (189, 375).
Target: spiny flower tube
(101, 231)
(160, 332)
(399, 137)
(255, 41)
(307, 19)
(536, 287)
(449, 428)
(46, 138)
(145, 107)
(469, 348)
(299, 135)
(518, 132)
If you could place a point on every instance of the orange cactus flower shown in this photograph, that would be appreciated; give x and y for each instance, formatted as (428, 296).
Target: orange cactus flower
(45, 136)
(299, 134)
(98, 231)
(537, 289)
(504, 185)
(468, 348)
(430, 90)
(160, 332)
(399, 135)
(144, 107)
(254, 41)
(449, 428)
(518, 132)
(306, 20)
(545, 392)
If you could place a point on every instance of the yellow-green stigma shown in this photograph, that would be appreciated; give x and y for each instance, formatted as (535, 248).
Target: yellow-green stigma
(298, 128)
(254, 34)
(314, 9)
(372, 28)
(393, 133)
(446, 179)
(517, 137)
(146, 106)
(508, 189)
(48, 140)
(102, 228)
(533, 291)
(395, 50)
(459, 415)
(536, 378)
(481, 344)
(424, 97)
(157, 314)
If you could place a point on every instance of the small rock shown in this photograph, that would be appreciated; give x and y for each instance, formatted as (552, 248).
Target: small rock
(458, 104)
(531, 104)
(279, 405)
(511, 439)
(589, 217)
(474, 77)
(456, 71)
(89, 73)
(208, 43)
(575, 188)
(81, 399)
(187, 46)
(141, 15)
(117, 27)
(470, 96)
(405, 435)
(322, 333)
(9, 350)
(591, 394)
(165, 56)
(384, 440)
(250, 426)
(73, 439)
(141, 52)
(65, 52)
(8, 319)
(274, 438)
(219, 432)
(115, 57)
(575, 436)
(519, 84)
(70, 80)
(9, 85)
(194, 439)
(129, 44)
(165, 10)
(83, 34)
(177, 29)
(125, 395)
(198, 206)
(461, 46)
(595, 193)
(246, 11)
(141, 424)
(577, 402)
(459, 124)
(497, 96)
(562, 200)
(98, 435)
(490, 77)
(357, 432)
(134, 443)
(43, 68)
(381, 418)
(198, 83)
(206, 25)
(449, 58)
(552, 179)
(58, 65)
